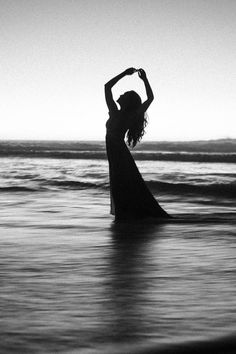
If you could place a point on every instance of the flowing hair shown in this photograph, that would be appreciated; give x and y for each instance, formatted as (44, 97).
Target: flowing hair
(137, 129)
(138, 121)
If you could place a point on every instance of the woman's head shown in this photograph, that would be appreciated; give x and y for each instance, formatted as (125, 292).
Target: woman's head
(129, 101)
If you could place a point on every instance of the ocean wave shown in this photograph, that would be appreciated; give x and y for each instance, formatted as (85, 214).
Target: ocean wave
(226, 190)
(43, 184)
(140, 156)
(186, 157)
(214, 189)
(77, 184)
(18, 189)
(217, 345)
(97, 152)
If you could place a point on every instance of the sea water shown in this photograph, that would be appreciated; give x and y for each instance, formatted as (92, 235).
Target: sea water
(73, 280)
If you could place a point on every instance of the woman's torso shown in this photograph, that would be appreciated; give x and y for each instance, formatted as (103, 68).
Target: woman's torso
(117, 124)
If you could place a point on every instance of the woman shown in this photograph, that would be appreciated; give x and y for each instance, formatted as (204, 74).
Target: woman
(130, 197)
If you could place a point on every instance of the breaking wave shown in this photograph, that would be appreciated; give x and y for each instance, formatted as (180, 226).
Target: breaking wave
(227, 190)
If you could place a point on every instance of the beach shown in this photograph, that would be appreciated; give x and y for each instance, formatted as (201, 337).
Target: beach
(73, 280)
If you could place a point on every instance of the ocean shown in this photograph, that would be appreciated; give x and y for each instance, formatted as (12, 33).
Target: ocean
(74, 281)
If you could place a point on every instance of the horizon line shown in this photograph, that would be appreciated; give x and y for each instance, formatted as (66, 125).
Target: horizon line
(102, 140)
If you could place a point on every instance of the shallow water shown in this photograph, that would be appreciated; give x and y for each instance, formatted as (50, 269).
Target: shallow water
(73, 280)
(69, 282)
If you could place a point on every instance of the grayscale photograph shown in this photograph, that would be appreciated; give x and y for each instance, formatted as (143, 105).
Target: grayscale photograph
(118, 176)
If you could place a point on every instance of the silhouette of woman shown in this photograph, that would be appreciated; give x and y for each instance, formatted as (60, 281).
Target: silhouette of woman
(130, 197)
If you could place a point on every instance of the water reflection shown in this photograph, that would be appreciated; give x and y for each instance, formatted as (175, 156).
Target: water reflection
(128, 268)
(120, 284)
(159, 284)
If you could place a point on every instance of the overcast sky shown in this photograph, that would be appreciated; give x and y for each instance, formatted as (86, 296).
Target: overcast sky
(56, 55)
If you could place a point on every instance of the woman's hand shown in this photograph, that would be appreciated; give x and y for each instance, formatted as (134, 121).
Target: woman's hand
(142, 74)
(129, 71)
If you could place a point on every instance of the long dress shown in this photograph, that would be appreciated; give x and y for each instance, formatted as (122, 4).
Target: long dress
(130, 197)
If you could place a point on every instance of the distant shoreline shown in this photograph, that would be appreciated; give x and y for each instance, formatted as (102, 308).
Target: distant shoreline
(62, 147)
(151, 141)
(154, 151)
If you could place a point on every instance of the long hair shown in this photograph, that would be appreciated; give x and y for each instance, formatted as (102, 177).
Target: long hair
(138, 121)
(137, 129)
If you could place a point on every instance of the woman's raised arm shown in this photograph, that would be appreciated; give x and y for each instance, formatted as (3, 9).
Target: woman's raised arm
(108, 86)
(150, 96)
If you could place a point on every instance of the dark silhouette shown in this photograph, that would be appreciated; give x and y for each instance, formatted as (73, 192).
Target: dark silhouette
(130, 197)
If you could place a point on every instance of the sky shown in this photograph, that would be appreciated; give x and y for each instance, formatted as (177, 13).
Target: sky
(56, 55)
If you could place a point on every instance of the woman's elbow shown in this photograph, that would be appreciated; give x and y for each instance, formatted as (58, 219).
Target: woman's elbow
(107, 86)
(151, 98)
